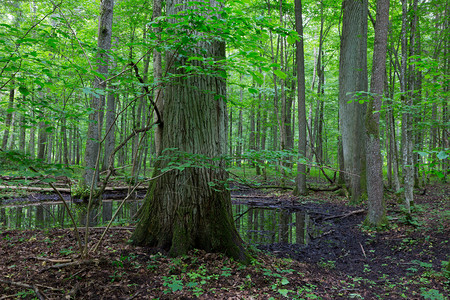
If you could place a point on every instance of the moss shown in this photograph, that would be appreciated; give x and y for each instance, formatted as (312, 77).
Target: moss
(372, 126)
(382, 225)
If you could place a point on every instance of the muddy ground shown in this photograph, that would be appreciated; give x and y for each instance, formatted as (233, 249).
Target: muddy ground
(347, 261)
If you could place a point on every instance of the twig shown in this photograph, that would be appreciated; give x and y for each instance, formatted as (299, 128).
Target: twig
(74, 263)
(238, 217)
(53, 260)
(117, 211)
(362, 248)
(28, 286)
(77, 235)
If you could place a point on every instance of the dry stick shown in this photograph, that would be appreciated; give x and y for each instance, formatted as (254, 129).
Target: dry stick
(364, 252)
(28, 286)
(74, 263)
(77, 235)
(54, 260)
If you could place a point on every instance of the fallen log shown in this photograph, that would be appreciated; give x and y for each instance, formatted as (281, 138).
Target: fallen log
(354, 212)
(325, 189)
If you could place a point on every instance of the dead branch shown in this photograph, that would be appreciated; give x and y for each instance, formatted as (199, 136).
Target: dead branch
(345, 215)
(54, 260)
(28, 286)
(74, 263)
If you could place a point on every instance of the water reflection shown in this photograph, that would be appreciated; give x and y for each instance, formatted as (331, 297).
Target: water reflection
(54, 215)
(268, 225)
(256, 224)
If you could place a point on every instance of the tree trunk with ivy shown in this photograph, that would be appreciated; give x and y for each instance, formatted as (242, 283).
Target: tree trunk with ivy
(190, 207)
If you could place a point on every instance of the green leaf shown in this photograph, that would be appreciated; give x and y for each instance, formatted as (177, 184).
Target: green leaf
(283, 292)
(291, 39)
(284, 281)
(195, 58)
(422, 154)
(280, 74)
(24, 91)
(253, 90)
(442, 155)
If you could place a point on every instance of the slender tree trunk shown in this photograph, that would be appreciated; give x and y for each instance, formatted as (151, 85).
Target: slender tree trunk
(376, 215)
(42, 140)
(65, 143)
(407, 143)
(110, 127)
(300, 180)
(158, 92)
(9, 118)
(92, 153)
(240, 137)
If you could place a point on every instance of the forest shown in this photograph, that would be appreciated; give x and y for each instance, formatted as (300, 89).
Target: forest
(224, 149)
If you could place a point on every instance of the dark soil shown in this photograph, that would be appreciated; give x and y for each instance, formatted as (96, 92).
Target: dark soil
(345, 261)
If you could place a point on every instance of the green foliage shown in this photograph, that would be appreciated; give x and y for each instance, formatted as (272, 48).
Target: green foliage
(173, 283)
(431, 294)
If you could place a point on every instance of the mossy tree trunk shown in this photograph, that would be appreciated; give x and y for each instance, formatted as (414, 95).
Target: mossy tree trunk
(191, 207)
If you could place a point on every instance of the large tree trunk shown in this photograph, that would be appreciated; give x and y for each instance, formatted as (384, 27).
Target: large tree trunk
(376, 215)
(191, 208)
(300, 181)
(353, 80)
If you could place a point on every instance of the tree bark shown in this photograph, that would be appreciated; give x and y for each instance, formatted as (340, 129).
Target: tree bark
(407, 145)
(191, 208)
(300, 180)
(9, 118)
(158, 92)
(92, 152)
(352, 81)
(376, 215)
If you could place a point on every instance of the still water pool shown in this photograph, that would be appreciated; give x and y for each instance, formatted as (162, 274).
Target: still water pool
(256, 224)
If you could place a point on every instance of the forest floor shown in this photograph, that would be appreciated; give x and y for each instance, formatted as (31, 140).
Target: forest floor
(348, 261)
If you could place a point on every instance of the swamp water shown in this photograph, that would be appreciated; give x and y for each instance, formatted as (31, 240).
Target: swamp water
(256, 224)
